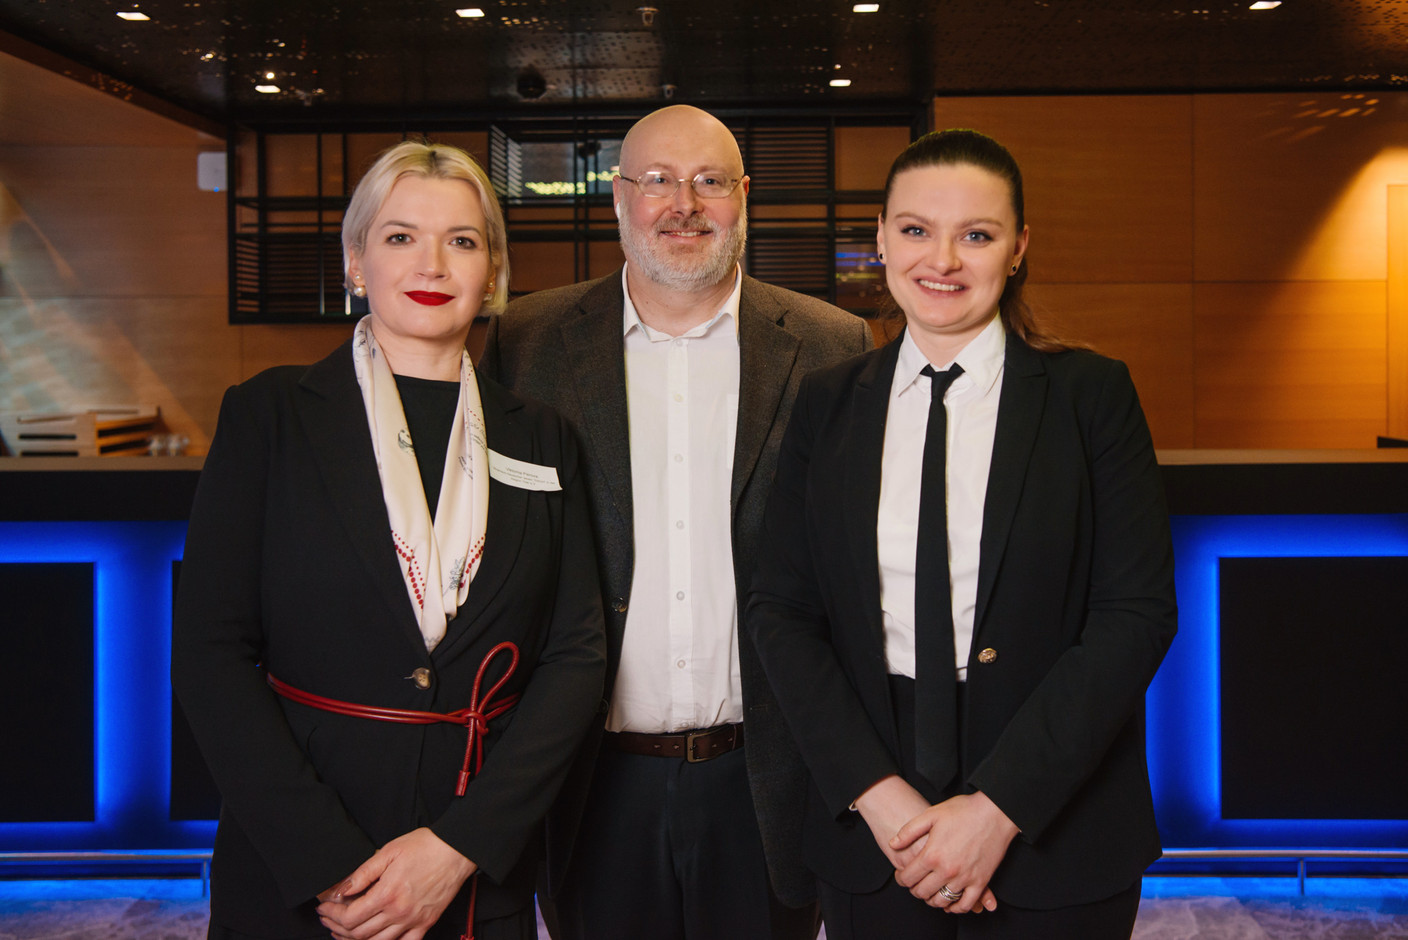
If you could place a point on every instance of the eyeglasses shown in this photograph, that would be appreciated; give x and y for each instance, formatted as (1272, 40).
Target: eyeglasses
(705, 185)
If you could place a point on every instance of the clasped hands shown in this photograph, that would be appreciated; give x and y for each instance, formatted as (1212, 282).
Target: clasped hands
(950, 848)
(400, 892)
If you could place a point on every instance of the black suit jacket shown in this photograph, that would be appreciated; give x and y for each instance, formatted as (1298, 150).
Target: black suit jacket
(1075, 596)
(290, 568)
(566, 347)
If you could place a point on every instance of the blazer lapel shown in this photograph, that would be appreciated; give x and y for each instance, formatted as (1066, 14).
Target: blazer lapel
(865, 444)
(767, 354)
(595, 356)
(1019, 413)
(336, 424)
(503, 533)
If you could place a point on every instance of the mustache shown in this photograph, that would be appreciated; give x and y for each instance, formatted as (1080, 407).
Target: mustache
(693, 223)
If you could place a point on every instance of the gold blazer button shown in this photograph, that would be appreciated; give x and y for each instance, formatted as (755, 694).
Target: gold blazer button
(988, 655)
(421, 677)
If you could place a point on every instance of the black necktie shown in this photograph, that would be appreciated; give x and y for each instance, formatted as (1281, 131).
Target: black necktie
(935, 694)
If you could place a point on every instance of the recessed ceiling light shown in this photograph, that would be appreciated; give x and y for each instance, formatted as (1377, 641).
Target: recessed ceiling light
(1266, 4)
(866, 8)
(840, 83)
(269, 76)
(470, 13)
(134, 16)
(268, 89)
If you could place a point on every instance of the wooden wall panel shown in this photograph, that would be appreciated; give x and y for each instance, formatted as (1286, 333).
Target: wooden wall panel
(1291, 364)
(864, 155)
(109, 221)
(1291, 186)
(1149, 327)
(64, 353)
(265, 346)
(1398, 311)
(1108, 181)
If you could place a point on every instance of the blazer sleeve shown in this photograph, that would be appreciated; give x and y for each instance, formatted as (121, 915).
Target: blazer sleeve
(297, 823)
(789, 625)
(1062, 732)
(509, 798)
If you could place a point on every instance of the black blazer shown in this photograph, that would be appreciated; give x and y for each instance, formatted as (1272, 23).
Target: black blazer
(1075, 596)
(290, 568)
(565, 347)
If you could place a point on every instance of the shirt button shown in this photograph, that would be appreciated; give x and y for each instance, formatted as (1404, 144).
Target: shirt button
(618, 604)
(421, 677)
(679, 397)
(679, 663)
(679, 458)
(679, 595)
(679, 524)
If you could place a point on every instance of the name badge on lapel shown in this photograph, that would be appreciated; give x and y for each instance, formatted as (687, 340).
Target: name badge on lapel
(522, 474)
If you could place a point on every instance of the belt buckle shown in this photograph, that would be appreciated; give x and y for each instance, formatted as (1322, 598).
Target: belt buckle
(689, 742)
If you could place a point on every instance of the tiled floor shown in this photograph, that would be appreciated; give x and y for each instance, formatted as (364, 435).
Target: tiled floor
(1174, 908)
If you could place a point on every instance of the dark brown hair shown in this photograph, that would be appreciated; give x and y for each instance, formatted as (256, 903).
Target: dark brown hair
(968, 147)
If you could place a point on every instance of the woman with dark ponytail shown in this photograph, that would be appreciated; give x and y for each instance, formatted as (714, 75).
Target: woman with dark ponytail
(965, 587)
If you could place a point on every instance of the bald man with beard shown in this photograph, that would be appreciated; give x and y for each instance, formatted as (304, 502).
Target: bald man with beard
(678, 372)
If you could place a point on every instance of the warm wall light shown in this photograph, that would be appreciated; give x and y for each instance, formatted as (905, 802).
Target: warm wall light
(267, 89)
(470, 13)
(840, 83)
(134, 16)
(866, 8)
(1265, 4)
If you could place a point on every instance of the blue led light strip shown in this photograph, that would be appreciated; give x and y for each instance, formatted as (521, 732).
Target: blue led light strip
(1184, 704)
(132, 699)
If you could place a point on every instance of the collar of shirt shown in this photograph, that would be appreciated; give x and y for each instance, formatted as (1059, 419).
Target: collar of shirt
(981, 360)
(631, 318)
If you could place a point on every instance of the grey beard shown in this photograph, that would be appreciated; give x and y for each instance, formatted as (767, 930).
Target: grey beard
(698, 275)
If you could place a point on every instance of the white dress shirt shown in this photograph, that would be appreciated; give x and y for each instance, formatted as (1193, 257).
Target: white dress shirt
(972, 422)
(679, 658)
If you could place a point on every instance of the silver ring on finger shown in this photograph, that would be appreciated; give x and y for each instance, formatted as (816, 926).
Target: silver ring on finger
(950, 895)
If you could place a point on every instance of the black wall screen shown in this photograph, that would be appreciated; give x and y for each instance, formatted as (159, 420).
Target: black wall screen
(1314, 660)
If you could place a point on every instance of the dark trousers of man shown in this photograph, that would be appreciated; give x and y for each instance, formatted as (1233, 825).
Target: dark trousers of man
(892, 913)
(669, 850)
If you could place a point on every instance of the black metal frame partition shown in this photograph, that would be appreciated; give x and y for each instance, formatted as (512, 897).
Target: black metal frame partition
(285, 257)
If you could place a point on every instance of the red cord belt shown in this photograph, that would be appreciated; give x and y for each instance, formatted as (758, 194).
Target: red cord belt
(475, 719)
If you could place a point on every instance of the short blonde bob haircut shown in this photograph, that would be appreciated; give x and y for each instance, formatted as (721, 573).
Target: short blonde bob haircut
(436, 162)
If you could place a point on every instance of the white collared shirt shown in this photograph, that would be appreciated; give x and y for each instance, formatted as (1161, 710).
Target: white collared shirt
(972, 422)
(679, 658)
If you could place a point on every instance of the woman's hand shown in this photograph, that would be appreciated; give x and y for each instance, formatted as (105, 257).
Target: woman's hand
(886, 806)
(960, 842)
(400, 892)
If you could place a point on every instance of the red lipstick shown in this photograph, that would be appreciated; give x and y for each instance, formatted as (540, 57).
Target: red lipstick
(429, 298)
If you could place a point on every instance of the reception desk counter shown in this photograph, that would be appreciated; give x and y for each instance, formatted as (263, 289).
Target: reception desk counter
(1276, 719)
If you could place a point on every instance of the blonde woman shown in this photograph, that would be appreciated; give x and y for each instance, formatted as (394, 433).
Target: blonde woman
(388, 634)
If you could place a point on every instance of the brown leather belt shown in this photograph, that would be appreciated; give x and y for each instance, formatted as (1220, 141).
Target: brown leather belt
(693, 746)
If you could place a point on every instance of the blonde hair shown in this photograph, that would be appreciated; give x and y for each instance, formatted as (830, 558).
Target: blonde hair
(430, 161)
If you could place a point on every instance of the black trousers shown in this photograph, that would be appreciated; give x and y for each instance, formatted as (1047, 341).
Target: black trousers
(669, 850)
(520, 926)
(892, 913)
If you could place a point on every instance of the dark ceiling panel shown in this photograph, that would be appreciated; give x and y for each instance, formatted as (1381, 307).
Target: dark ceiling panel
(380, 59)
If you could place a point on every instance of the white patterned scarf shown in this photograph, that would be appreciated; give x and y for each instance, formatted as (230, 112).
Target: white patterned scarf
(438, 559)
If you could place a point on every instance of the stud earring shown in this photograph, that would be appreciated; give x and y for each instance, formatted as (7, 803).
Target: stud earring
(882, 257)
(359, 291)
(1014, 269)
